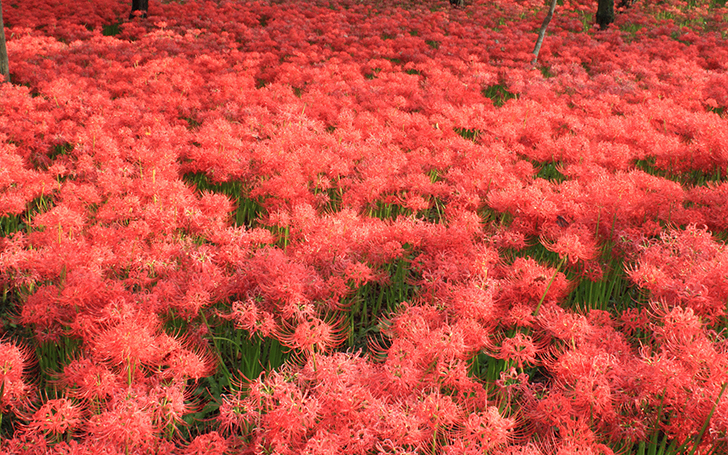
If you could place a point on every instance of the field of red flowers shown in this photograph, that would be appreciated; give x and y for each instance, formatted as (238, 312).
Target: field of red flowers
(363, 227)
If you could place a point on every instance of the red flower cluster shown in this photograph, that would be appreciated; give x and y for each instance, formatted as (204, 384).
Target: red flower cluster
(387, 189)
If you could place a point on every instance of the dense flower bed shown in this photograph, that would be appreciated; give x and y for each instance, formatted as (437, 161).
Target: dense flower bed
(363, 227)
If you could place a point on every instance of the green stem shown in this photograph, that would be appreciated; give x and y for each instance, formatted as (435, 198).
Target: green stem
(707, 421)
(228, 375)
(551, 281)
(434, 440)
(130, 372)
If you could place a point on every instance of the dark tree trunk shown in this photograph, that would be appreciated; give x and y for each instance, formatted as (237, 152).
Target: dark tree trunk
(139, 5)
(4, 66)
(457, 2)
(605, 13)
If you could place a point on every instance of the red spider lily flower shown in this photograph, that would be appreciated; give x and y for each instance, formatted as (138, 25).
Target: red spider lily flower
(577, 437)
(589, 376)
(89, 380)
(563, 325)
(26, 444)
(249, 316)
(358, 273)
(238, 414)
(170, 403)
(187, 362)
(207, 444)
(128, 424)
(551, 412)
(573, 245)
(477, 301)
(312, 336)
(633, 319)
(59, 224)
(131, 344)
(487, 430)
(527, 282)
(519, 315)
(289, 410)
(519, 348)
(687, 268)
(56, 417)
(440, 410)
(14, 364)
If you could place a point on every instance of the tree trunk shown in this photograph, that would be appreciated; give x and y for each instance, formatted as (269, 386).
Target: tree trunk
(605, 13)
(457, 2)
(139, 5)
(4, 66)
(542, 32)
